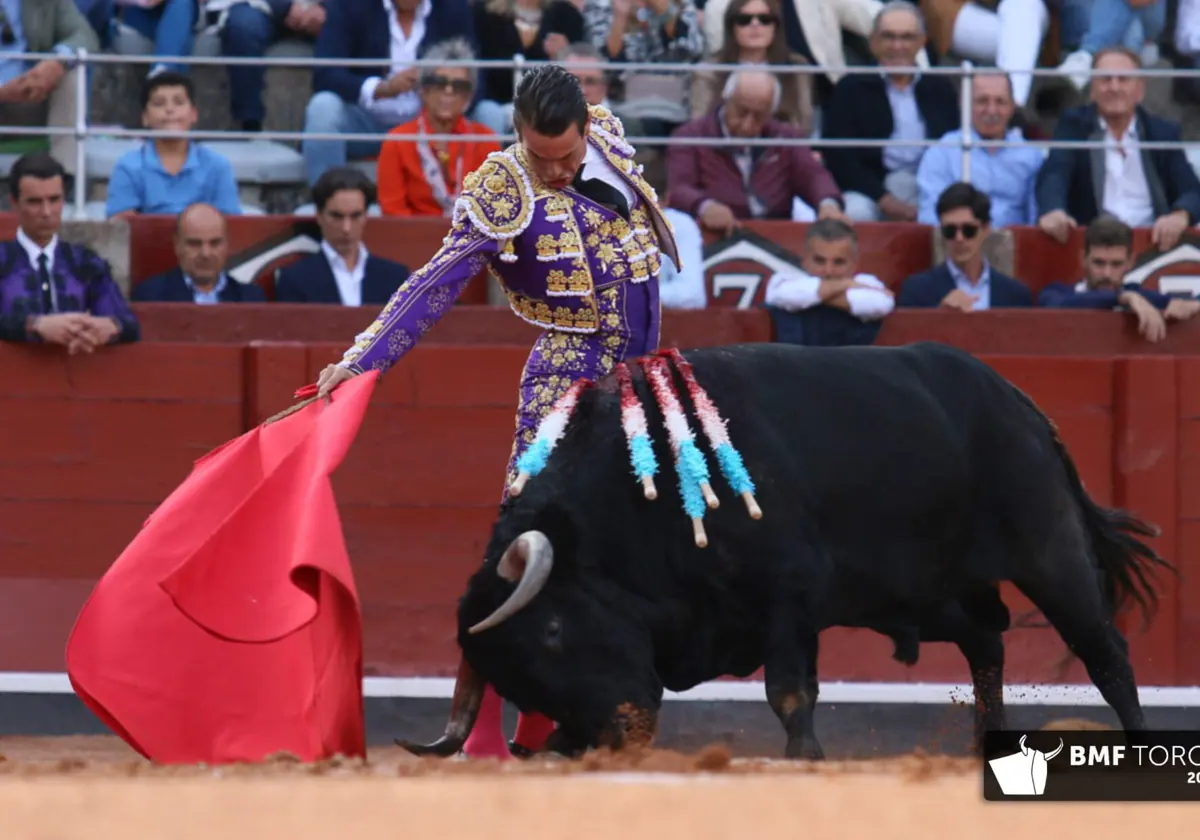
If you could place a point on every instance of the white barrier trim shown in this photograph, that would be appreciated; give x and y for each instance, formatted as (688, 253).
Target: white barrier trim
(883, 693)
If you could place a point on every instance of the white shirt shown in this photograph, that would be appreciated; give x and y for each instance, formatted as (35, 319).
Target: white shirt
(34, 251)
(406, 106)
(907, 124)
(595, 165)
(1126, 192)
(349, 282)
(798, 289)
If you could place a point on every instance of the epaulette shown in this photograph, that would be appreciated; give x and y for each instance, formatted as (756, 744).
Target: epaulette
(498, 200)
(609, 126)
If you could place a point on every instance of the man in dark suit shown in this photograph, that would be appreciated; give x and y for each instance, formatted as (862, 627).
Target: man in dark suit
(965, 281)
(202, 247)
(342, 271)
(364, 100)
(1107, 258)
(880, 184)
(1142, 188)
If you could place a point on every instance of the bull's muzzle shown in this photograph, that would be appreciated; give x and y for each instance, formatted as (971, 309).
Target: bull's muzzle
(631, 726)
(527, 562)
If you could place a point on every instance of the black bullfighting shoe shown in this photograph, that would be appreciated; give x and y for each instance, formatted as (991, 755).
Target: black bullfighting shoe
(520, 750)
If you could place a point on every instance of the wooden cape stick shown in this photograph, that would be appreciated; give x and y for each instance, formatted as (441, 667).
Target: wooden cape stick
(289, 410)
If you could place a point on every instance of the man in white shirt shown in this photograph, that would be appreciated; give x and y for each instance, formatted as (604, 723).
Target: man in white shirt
(343, 271)
(832, 301)
(1144, 188)
(371, 100)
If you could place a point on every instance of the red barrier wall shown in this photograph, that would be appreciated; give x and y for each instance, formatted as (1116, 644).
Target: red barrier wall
(92, 445)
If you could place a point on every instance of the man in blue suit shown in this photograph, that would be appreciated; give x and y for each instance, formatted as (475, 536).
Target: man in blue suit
(365, 100)
(342, 272)
(965, 281)
(1107, 258)
(202, 248)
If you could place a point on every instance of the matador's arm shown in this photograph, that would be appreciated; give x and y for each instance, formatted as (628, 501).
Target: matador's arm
(495, 206)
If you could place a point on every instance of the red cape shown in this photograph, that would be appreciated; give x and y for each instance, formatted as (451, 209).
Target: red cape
(229, 629)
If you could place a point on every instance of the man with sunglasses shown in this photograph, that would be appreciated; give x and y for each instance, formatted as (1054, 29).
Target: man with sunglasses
(576, 238)
(965, 282)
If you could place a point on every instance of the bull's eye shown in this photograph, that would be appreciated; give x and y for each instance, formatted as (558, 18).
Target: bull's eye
(552, 635)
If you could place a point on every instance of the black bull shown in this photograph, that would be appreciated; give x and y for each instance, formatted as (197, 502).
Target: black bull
(898, 486)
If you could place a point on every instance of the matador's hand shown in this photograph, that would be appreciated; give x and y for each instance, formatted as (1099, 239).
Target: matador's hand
(330, 378)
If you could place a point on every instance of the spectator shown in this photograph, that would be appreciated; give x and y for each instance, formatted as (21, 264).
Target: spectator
(248, 28)
(684, 288)
(814, 29)
(424, 177)
(42, 93)
(202, 248)
(587, 64)
(761, 182)
(1008, 174)
(166, 174)
(360, 100)
(647, 31)
(169, 24)
(1107, 258)
(828, 302)
(880, 184)
(535, 29)
(1139, 187)
(52, 291)
(965, 281)
(343, 272)
(1108, 23)
(753, 34)
(1004, 33)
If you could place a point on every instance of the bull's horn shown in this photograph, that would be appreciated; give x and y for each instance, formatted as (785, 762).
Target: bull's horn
(464, 709)
(528, 560)
(1056, 751)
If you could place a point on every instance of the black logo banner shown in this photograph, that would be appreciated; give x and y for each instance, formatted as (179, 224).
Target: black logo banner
(1092, 766)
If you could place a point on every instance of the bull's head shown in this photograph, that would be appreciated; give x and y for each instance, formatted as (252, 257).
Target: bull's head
(552, 638)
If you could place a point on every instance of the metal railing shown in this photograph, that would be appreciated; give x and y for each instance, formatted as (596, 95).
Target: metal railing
(966, 71)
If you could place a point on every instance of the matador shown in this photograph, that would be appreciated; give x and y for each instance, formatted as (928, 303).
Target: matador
(574, 235)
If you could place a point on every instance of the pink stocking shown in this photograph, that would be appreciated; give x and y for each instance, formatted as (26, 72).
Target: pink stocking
(487, 736)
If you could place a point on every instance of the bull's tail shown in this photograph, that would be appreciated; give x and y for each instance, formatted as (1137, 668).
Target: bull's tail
(1126, 563)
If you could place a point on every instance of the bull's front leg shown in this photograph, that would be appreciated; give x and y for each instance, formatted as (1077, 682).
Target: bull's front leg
(791, 682)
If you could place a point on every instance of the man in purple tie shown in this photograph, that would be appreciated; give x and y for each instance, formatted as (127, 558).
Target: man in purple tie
(52, 291)
(574, 234)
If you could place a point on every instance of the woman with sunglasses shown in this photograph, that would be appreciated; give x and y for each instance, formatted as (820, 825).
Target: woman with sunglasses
(754, 35)
(421, 177)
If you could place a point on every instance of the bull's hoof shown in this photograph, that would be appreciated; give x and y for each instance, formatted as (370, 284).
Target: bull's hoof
(443, 747)
(804, 749)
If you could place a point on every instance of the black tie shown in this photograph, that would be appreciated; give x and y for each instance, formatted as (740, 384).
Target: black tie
(44, 275)
(601, 193)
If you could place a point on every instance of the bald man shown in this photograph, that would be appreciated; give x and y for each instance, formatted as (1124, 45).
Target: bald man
(764, 179)
(201, 246)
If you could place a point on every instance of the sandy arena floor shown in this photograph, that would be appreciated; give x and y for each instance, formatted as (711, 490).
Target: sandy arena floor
(95, 788)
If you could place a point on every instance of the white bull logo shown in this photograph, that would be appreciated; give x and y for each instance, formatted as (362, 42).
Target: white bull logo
(1023, 773)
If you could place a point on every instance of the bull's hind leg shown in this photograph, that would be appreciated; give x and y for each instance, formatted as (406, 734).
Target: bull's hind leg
(1062, 584)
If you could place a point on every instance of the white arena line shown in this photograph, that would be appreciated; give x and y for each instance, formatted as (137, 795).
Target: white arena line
(884, 693)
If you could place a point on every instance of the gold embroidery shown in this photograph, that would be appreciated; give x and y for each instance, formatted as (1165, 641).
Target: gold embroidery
(580, 319)
(497, 198)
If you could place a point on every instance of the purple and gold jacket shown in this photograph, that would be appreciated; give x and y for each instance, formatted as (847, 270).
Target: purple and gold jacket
(551, 250)
(81, 280)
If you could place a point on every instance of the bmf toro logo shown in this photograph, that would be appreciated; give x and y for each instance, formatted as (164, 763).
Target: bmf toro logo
(1175, 271)
(1023, 773)
(738, 267)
